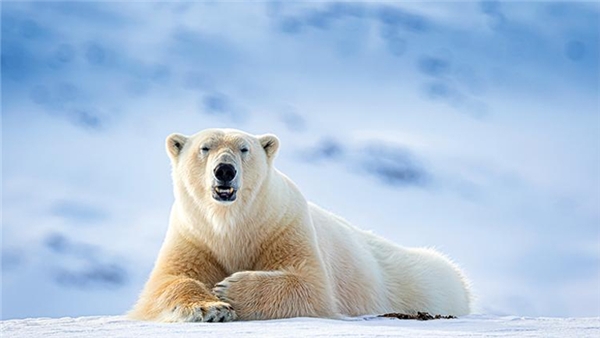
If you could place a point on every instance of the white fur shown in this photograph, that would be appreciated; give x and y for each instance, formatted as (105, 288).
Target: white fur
(399, 279)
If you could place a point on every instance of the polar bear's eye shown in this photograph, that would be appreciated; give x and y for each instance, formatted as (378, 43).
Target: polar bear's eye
(244, 150)
(205, 149)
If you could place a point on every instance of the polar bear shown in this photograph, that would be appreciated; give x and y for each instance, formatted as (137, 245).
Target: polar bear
(243, 243)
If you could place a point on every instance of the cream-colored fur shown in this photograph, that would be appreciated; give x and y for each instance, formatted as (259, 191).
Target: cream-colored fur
(270, 254)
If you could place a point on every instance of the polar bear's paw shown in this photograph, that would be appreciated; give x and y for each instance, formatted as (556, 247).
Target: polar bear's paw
(234, 287)
(246, 293)
(201, 312)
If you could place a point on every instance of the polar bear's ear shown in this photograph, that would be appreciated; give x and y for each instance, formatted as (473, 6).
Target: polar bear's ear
(270, 144)
(174, 144)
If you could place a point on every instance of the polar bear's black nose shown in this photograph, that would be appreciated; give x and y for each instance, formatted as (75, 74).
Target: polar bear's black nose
(225, 172)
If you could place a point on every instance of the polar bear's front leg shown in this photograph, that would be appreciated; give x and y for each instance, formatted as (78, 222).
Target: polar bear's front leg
(273, 294)
(178, 289)
(289, 280)
(181, 299)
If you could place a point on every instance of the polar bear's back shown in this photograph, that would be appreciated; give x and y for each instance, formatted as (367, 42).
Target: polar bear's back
(351, 267)
(373, 275)
(421, 279)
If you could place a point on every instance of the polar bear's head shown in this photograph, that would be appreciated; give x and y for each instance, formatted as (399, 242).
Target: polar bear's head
(220, 166)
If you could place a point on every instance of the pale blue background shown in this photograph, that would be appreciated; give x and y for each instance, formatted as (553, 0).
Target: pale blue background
(471, 127)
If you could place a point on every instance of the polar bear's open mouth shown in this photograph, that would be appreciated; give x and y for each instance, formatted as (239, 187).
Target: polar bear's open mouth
(224, 193)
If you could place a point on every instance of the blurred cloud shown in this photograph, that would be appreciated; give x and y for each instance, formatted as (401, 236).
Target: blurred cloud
(95, 276)
(326, 149)
(550, 263)
(485, 112)
(221, 105)
(393, 166)
(396, 43)
(398, 18)
(293, 120)
(95, 54)
(575, 50)
(62, 56)
(201, 50)
(323, 17)
(78, 212)
(492, 9)
(195, 80)
(11, 259)
(91, 12)
(434, 66)
(82, 265)
(216, 103)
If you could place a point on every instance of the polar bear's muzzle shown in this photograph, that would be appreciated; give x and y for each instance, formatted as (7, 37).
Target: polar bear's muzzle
(225, 187)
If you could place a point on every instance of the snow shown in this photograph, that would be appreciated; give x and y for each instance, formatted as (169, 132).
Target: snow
(469, 326)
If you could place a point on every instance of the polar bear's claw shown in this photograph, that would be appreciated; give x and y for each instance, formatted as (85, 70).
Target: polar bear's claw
(210, 312)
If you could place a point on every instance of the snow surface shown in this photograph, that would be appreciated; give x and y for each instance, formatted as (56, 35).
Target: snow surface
(469, 326)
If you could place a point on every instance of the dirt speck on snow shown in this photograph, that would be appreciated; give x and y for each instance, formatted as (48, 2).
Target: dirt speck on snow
(418, 316)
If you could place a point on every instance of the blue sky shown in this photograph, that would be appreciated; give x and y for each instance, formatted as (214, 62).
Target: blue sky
(472, 127)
